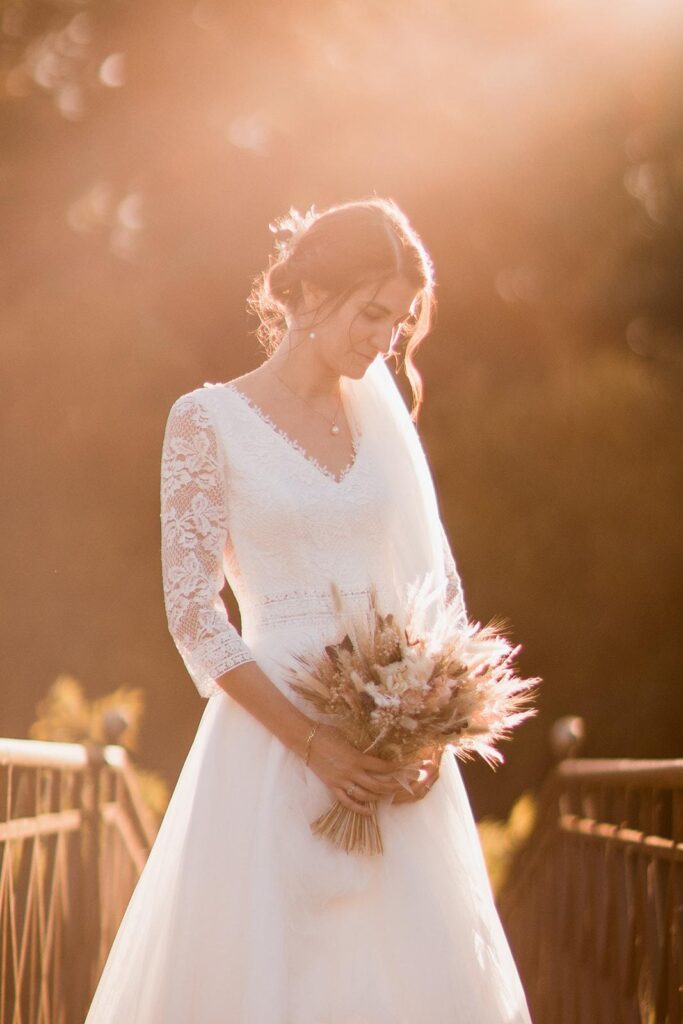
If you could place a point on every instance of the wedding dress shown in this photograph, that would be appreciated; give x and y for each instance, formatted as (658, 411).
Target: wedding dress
(241, 915)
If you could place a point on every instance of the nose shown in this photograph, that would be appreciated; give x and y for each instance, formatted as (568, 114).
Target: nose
(384, 340)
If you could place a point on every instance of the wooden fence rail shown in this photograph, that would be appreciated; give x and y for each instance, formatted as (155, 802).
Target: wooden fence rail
(593, 904)
(74, 836)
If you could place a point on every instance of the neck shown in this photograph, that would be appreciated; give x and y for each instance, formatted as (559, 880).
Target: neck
(299, 364)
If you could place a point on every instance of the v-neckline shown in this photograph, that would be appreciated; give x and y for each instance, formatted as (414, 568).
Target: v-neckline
(298, 449)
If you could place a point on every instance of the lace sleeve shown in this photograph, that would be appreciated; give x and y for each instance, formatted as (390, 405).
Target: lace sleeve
(454, 591)
(193, 535)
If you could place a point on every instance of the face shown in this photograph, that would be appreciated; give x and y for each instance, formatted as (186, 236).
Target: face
(368, 324)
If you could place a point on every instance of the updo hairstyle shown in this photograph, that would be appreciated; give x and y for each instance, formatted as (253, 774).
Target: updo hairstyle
(340, 250)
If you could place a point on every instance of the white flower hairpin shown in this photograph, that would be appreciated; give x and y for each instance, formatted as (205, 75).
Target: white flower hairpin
(289, 229)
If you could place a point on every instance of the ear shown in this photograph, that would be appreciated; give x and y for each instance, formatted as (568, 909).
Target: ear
(313, 295)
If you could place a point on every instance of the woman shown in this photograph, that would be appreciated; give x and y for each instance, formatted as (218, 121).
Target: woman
(306, 470)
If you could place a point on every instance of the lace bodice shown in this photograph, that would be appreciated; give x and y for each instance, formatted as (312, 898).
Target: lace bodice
(242, 502)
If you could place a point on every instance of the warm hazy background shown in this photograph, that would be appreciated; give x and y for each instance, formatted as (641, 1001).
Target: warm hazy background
(538, 148)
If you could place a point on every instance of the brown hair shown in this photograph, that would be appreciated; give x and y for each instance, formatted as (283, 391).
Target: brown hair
(339, 250)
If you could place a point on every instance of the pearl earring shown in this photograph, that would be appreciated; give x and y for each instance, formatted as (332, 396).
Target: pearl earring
(311, 335)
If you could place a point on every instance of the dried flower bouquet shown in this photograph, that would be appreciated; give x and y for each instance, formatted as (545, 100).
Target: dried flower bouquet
(394, 687)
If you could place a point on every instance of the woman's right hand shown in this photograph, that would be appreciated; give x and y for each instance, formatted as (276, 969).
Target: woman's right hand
(340, 765)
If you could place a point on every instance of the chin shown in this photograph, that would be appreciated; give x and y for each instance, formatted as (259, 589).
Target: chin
(357, 374)
(360, 371)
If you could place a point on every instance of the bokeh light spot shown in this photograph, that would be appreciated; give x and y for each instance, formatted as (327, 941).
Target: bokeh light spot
(69, 100)
(129, 211)
(113, 70)
(248, 132)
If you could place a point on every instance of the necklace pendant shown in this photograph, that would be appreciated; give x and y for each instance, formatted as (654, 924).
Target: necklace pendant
(334, 429)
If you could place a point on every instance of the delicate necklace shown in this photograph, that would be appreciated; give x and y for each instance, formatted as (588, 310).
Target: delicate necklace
(334, 427)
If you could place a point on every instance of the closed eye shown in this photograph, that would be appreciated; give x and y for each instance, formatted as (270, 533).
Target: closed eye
(373, 314)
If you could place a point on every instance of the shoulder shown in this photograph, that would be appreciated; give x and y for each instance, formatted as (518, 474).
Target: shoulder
(191, 440)
(198, 405)
(197, 396)
(216, 404)
(208, 419)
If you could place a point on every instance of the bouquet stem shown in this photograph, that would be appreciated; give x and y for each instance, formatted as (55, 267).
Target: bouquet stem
(349, 830)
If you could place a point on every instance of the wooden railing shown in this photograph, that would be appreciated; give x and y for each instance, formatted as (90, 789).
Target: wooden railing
(74, 837)
(593, 903)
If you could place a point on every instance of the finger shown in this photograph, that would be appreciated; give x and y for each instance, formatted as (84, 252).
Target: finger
(360, 792)
(377, 764)
(407, 793)
(426, 783)
(408, 776)
(408, 798)
(418, 790)
(379, 787)
(352, 804)
(403, 798)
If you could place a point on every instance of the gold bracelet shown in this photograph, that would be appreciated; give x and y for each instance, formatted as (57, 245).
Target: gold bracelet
(310, 740)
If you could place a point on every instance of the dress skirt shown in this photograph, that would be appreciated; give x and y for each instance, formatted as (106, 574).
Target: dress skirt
(242, 916)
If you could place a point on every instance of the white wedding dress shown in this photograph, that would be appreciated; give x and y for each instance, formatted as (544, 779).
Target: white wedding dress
(242, 915)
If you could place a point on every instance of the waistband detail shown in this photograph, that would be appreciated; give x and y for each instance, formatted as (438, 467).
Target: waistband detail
(296, 605)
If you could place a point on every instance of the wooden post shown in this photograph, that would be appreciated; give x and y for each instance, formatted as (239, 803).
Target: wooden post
(86, 895)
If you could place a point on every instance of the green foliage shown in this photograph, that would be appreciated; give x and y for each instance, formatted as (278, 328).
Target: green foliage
(500, 840)
(66, 715)
(154, 789)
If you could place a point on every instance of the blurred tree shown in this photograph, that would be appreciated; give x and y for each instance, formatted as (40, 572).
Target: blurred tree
(538, 149)
(500, 840)
(65, 715)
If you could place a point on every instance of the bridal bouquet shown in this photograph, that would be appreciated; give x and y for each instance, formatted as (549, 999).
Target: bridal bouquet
(394, 686)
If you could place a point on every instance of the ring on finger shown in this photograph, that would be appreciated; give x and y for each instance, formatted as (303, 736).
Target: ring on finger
(349, 791)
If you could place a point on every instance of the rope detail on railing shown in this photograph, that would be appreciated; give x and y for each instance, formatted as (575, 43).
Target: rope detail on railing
(71, 820)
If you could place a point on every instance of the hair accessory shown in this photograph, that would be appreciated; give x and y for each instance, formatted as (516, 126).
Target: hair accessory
(282, 235)
(289, 229)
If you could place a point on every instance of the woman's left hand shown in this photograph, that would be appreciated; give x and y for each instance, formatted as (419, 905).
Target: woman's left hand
(429, 763)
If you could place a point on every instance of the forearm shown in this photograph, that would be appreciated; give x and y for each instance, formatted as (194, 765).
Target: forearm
(250, 686)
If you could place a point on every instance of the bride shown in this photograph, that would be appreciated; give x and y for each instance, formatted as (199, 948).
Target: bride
(305, 470)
